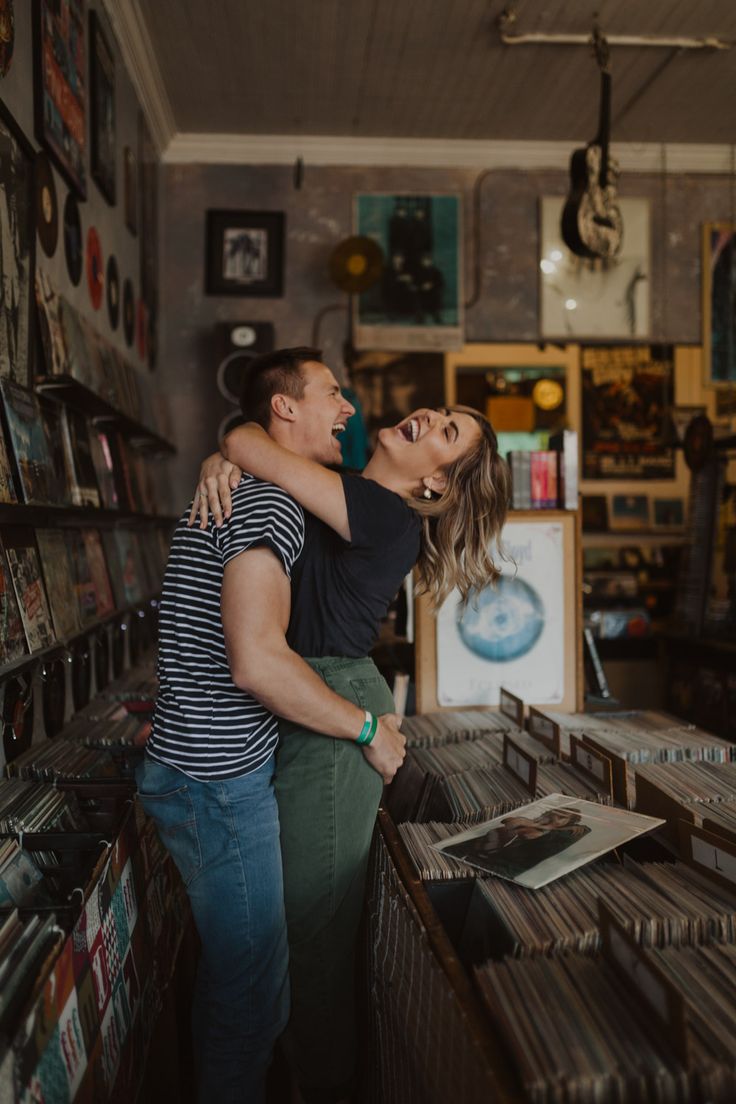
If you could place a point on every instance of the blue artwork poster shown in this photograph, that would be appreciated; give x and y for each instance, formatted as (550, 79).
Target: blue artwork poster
(418, 301)
(513, 634)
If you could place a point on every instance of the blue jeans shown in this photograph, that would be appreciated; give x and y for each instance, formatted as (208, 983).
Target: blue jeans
(224, 838)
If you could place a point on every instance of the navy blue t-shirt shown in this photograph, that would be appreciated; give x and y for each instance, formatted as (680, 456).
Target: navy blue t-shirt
(342, 589)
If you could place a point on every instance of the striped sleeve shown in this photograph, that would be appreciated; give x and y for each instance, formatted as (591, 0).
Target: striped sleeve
(263, 516)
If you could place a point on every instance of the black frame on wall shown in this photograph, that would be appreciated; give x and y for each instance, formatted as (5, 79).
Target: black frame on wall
(245, 253)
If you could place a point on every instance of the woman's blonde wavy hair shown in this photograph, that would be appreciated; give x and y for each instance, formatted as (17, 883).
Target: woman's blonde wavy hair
(461, 528)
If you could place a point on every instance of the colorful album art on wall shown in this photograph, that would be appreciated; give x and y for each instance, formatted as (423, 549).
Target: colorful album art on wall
(60, 94)
(102, 109)
(600, 299)
(627, 394)
(17, 241)
(418, 302)
(719, 304)
(390, 385)
(518, 634)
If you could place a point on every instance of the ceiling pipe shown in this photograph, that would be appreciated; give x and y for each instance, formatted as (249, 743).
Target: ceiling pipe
(508, 17)
(542, 39)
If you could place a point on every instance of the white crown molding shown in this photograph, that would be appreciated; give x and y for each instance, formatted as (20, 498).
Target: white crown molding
(140, 61)
(433, 153)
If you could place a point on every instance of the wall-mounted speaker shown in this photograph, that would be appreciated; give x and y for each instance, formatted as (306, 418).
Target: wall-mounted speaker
(236, 344)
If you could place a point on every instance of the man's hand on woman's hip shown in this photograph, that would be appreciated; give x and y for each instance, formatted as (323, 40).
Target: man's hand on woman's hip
(386, 751)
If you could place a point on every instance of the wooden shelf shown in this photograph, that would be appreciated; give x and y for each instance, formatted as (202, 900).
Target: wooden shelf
(632, 536)
(71, 391)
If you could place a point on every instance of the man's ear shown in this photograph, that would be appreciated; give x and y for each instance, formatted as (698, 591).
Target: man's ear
(282, 406)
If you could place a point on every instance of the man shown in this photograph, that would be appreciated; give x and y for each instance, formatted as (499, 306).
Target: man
(207, 777)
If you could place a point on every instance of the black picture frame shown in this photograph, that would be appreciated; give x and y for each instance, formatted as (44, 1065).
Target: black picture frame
(60, 107)
(245, 253)
(102, 110)
(17, 194)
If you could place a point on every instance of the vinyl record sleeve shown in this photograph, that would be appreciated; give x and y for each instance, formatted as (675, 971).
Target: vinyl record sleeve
(28, 441)
(25, 571)
(59, 578)
(12, 637)
(52, 334)
(7, 486)
(79, 463)
(75, 341)
(104, 470)
(60, 491)
(83, 581)
(98, 571)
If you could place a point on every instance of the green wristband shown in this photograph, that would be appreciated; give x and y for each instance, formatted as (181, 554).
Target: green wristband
(368, 731)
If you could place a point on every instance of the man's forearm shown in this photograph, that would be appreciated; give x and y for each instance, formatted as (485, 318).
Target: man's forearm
(281, 680)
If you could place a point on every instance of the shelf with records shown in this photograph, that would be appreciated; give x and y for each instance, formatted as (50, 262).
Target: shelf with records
(52, 454)
(80, 366)
(58, 584)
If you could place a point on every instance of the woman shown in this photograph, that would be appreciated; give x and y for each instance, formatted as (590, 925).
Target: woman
(434, 493)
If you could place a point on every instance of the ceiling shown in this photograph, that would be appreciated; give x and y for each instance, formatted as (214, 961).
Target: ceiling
(438, 69)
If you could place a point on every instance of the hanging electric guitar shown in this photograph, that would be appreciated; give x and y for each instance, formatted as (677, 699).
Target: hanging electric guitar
(591, 218)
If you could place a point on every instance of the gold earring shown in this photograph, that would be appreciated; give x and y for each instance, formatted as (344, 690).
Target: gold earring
(427, 493)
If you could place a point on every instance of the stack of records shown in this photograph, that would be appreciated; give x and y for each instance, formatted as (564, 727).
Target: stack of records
(721, 819)
(21, 882)
(64, 760)
(33, 807)
(643, 736)
(137, 685)
(24, 947)
(689, 783)
(106, 725)
(432, 729)
(434, 866)
(576, 1034)
(659, 904)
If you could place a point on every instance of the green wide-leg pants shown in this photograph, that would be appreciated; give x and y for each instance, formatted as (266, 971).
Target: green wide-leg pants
(328, 797)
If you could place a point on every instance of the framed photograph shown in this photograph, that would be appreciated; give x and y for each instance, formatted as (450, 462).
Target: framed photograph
(17, 250)
(629, 512)
(668, 513)
(523, 634)
(628, 395)
(719, 296)
(102, 109)
(418, 302)
(390, 385)
(605, 300)
(245, 253)
(130, 190)
(60, 94)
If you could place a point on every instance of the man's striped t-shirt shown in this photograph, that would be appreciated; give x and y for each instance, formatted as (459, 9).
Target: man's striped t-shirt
(203, 724)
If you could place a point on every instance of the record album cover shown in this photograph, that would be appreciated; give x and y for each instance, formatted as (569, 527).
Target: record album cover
(83, 582)
(25, 570)
(7, 486)
(103, 464)
(79, 463)
(98, 571)
(59, 578)
(53, 424)
(28, 440)
(12, 637)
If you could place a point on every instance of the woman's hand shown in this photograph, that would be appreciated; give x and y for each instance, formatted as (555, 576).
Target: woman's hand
(217, 477)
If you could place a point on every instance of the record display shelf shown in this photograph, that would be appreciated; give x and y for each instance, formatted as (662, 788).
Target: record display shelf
(46, 517)
(74, 393)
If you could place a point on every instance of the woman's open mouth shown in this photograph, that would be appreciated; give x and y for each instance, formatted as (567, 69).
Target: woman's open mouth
(410, 429)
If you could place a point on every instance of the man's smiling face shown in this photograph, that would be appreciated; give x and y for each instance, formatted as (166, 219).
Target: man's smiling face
(323, 412)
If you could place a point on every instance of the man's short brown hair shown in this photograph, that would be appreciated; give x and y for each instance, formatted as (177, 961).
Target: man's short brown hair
(276, 373)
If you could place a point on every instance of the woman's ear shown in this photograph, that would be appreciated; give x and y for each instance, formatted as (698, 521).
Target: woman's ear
(436, 483)
(282, 407)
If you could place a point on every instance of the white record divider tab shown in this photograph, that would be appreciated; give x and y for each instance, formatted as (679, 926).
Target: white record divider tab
(511, 706)
(708, 852)
(544, 729)
(592, 762)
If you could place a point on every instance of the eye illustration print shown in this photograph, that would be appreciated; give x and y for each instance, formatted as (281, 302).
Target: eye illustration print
(502, 622)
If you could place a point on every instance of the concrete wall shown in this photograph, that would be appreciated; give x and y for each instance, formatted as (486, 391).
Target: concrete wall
(319, 215)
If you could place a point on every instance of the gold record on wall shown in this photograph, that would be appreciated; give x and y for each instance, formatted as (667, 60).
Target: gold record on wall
(548, 394)
(356, 264)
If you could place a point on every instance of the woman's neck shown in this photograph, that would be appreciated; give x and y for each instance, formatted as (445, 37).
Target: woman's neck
(380, 470)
